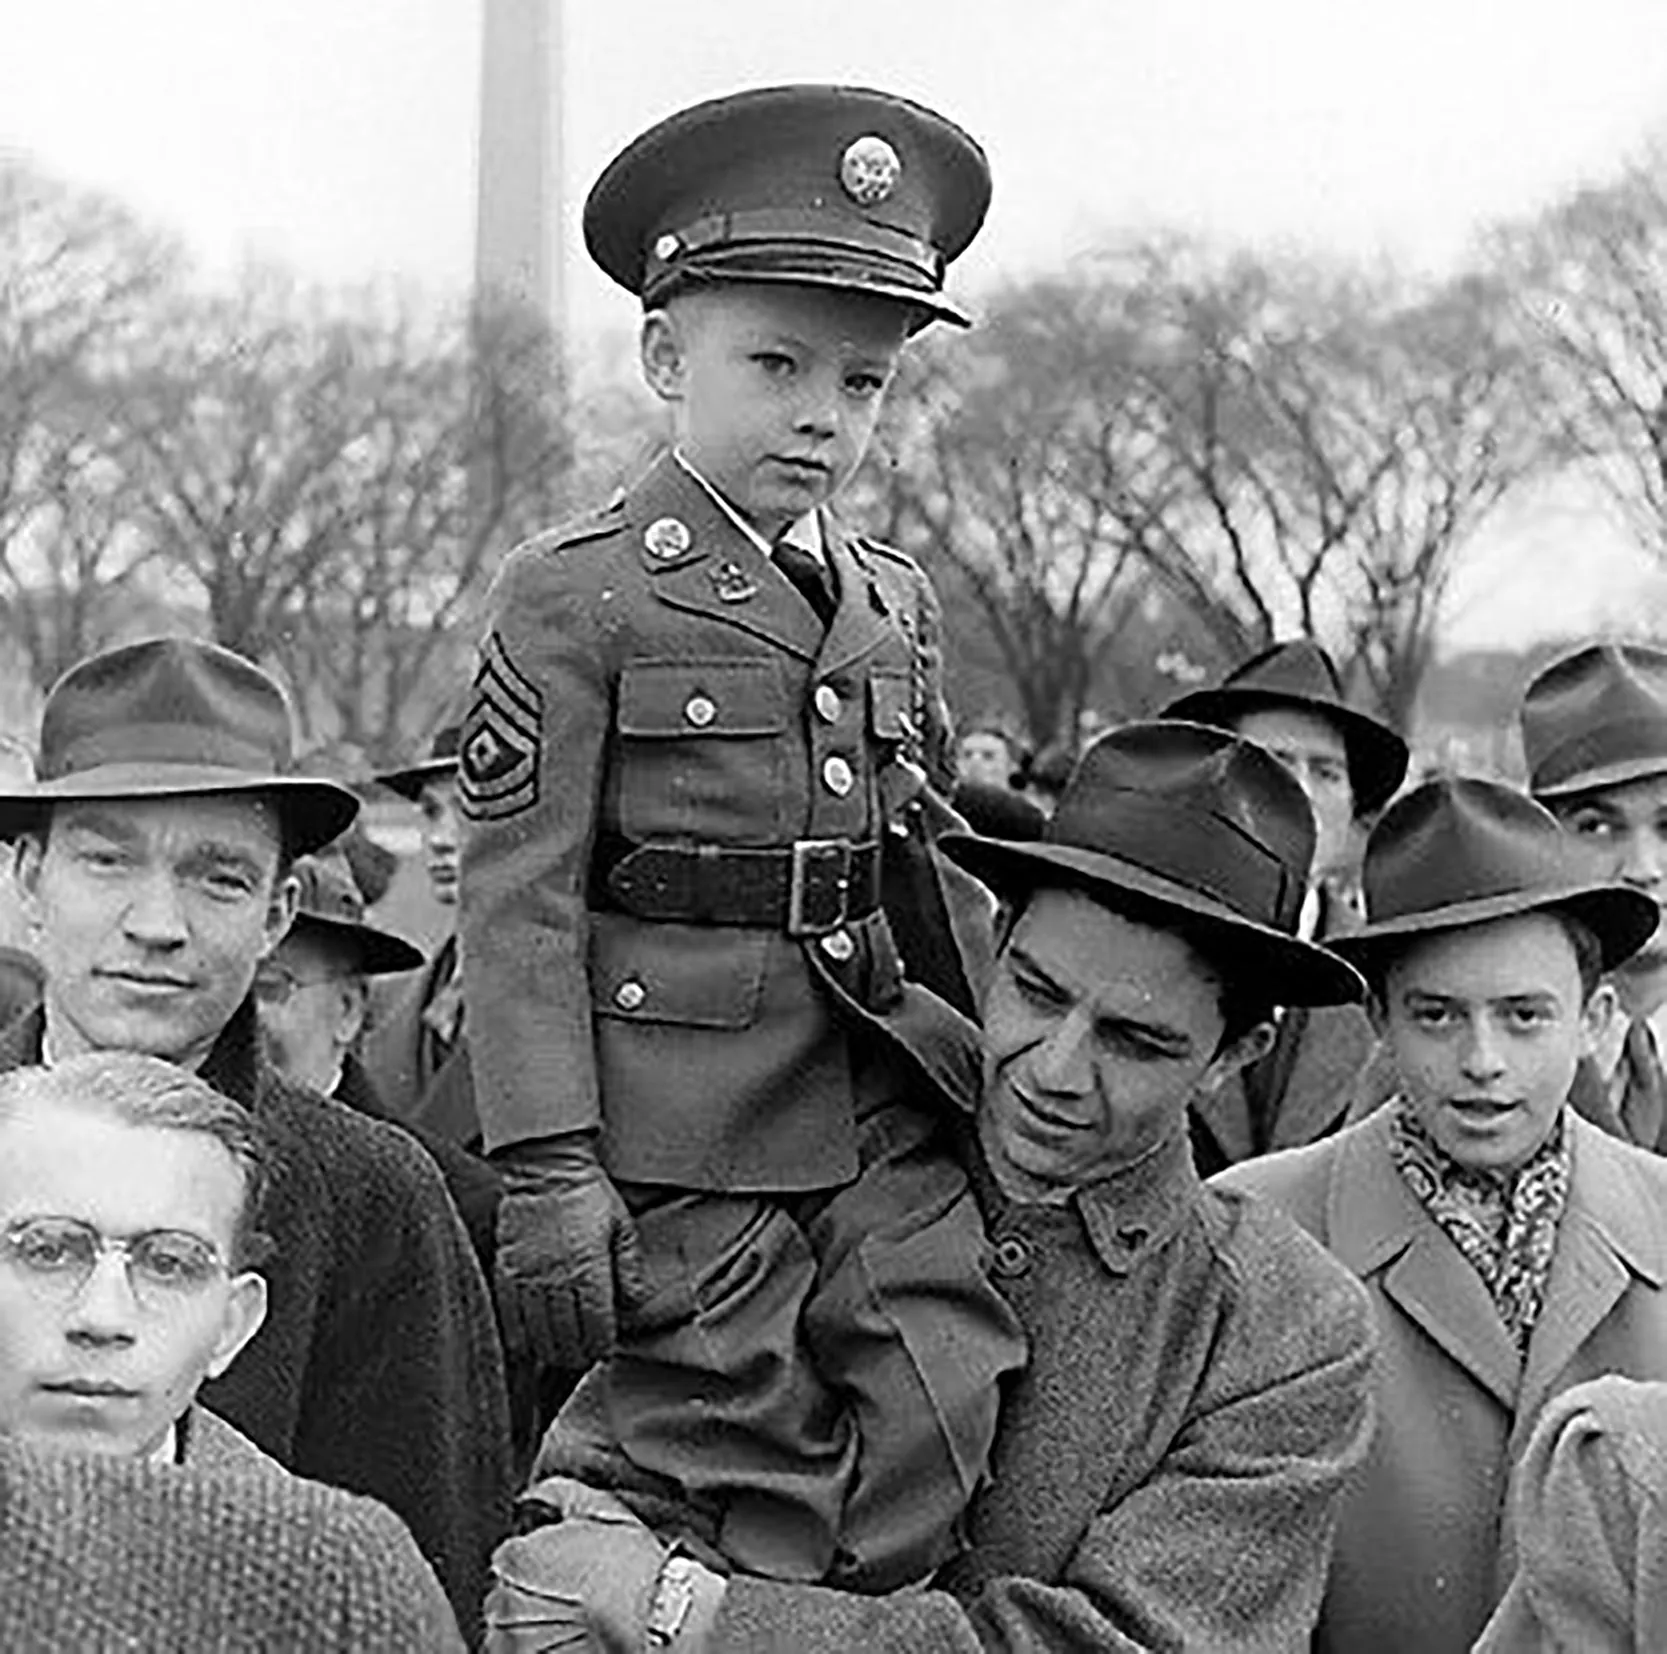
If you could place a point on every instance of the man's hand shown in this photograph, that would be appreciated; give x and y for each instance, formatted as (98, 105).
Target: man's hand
(567, 1253)
(596, 1579)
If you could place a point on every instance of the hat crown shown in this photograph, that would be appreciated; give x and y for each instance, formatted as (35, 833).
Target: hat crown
(1460, 840)
(1595, 714)
(328, 888)
(1196, 806)
(1299, 668)
(166, 701)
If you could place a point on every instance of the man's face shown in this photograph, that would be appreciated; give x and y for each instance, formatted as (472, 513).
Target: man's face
(99, 1369)
(1626, 829)
(150, 916)
(312, 1006)
(1486, 1025)
(775, 389)
(1098, 1032)
(1311, 747)
(984, 756)
(438, 803)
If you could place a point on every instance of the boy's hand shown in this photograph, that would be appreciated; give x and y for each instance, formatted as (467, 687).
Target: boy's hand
(567, 1253)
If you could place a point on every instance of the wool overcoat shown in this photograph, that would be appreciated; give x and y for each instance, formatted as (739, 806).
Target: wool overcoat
(418, 1079)
(1421, 1550)
(652, 677)
(1170, 1464)
(378, 1369)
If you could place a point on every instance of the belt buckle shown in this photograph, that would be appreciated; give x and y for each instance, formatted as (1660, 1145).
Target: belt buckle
(818, 894)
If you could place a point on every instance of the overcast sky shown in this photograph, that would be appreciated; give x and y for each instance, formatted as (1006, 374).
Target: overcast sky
(338, 135)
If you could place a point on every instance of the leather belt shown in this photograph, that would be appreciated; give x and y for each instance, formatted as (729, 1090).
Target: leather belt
(806, 888)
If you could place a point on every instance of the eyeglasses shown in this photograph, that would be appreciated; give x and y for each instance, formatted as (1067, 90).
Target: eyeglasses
(274, 985)
(55, 1257)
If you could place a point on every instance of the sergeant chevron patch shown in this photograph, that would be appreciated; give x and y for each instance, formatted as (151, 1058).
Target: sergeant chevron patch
(498, 753)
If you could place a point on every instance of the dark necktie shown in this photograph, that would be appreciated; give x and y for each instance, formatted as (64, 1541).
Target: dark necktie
(1643, 1104)
(809, 578)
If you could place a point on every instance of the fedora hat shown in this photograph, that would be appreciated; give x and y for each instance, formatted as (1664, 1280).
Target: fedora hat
(167, 717)
(1195, 820)
(332, 908)
(1301, 674)
(1596, 718)
(1464, 851)
(442, 760)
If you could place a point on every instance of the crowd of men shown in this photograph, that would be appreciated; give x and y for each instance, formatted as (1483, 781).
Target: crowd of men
(813, 1198)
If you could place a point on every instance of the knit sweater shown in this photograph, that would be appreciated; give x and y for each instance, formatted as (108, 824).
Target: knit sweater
(378, 1369)
(99, 1555)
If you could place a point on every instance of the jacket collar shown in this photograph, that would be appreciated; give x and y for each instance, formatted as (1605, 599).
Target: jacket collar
(1610, 1234)
(1135, 1212)
(707, 565)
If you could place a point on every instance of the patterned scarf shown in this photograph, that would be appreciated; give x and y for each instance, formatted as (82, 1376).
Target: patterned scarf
(1504, 1225)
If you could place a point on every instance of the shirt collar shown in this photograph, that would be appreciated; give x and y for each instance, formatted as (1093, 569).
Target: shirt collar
(806, 533)
(1612, 1047)
(166, 1451)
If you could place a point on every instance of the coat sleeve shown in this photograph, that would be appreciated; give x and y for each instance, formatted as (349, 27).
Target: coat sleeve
(405, 1398)
(1224, 1547)
(530, 777)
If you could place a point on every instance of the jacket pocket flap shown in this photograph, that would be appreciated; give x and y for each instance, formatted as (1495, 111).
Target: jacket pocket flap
(681, 698)
(698, 976)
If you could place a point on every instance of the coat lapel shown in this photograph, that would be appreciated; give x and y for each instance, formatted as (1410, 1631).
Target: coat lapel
(863, 620)
(719, 574)
(1610, 1234)
(1377, 1227)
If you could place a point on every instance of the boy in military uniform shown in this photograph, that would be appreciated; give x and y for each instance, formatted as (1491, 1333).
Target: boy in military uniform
(721, 1109)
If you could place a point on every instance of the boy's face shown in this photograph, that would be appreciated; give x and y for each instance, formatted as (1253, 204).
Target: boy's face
(1487, 1024)
(775, 388)
(1626, 827)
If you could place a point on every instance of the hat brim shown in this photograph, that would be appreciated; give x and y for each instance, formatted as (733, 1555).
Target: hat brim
(377, 952)
(1604, 775)
(313, 811)
(1295, 972)
(930, 306)
(409, 783)
(1623, 920)
(1378, 757)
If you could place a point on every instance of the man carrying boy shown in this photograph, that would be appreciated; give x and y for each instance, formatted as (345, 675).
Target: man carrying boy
(698, 717)
(1509, 1248)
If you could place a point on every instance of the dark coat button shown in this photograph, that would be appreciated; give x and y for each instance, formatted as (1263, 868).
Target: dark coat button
(1012, 1255)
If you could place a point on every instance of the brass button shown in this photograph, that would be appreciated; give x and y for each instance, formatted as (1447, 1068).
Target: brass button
(837, 776)
(1012, 1255)
(838, 946)
(700, 710)
(828, 706)
(667, 538)
(628, 996)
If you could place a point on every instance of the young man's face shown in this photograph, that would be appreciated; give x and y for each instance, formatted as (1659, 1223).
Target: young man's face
(1486, 1025)
(1626, 828)
(312, 1006)
(1313, 750)
(438, 803)
(775, 388)
(150, 917)
(1098, 1033)
(107, 1366)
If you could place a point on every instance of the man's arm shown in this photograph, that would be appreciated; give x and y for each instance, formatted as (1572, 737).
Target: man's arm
(1225, 1547)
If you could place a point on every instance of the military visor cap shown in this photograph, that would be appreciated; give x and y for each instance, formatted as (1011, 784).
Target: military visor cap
(1190, 819)
(166, 718)
(1465, 851)
(826, 186)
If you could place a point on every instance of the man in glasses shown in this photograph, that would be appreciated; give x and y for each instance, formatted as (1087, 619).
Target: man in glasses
(130, 1194)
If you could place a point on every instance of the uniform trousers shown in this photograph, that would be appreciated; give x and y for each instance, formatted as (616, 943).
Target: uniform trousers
(811, 1384)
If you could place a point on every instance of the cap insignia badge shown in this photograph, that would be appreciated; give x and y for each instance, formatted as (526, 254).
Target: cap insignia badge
(667, 538)
(869, 169)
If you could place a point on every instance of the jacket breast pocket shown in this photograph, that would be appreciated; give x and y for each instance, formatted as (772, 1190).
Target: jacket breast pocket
(701, 749)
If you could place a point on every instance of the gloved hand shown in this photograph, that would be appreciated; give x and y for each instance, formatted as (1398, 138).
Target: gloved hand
(567, 1252)
(596, 1578)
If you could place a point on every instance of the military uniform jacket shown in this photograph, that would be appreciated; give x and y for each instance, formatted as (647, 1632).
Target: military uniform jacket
(651, 677)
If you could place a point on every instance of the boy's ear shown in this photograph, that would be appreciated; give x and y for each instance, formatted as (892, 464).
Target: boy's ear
(661, 347)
